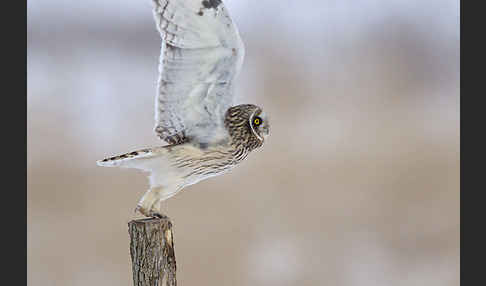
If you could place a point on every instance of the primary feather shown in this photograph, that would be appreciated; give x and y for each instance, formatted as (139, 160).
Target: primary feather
(201, 54)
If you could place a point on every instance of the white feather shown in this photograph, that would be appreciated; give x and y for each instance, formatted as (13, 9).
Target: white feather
(201, 55)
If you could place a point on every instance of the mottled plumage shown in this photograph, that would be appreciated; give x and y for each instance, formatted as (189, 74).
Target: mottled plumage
(201, 55)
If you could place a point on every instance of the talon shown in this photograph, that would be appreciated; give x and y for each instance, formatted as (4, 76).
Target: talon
(157, 215)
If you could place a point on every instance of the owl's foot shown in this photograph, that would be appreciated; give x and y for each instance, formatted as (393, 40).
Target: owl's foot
(157, 215)
(149, 204)
(149, 213)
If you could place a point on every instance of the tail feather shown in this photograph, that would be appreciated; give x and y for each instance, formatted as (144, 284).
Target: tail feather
(130, 159)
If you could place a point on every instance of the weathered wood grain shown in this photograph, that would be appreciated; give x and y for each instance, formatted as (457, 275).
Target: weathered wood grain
(152, 252)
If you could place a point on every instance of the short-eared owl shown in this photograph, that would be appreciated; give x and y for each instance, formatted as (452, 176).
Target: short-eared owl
(201, 55)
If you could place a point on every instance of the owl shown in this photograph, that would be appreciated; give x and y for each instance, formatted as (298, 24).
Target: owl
(205, 135)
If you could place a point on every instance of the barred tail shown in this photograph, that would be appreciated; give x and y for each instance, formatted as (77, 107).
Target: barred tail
(132, 159)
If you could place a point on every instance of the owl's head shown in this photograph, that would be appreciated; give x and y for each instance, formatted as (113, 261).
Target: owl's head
(247, 125)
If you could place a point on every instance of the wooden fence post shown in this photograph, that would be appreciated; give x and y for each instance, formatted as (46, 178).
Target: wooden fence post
(152, 252)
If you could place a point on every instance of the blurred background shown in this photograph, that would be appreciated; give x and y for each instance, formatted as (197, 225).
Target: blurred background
(358, 183)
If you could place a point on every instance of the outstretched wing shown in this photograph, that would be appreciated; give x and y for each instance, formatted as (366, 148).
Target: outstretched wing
(201, 54)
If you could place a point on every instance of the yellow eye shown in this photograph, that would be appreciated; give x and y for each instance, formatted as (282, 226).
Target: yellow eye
(257, 121)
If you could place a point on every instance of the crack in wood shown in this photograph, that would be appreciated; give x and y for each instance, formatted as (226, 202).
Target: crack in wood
(152, 252)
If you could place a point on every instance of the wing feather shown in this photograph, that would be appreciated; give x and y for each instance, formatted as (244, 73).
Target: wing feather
(201, 54)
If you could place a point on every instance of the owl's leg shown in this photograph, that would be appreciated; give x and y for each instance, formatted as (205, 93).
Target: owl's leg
(149, 204)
